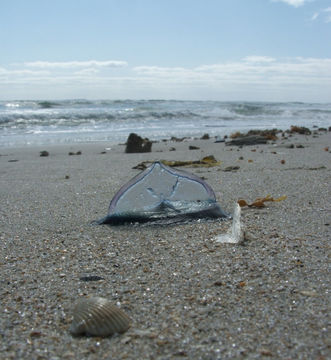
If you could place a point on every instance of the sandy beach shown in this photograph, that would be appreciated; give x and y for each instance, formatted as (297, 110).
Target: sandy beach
(187, 295)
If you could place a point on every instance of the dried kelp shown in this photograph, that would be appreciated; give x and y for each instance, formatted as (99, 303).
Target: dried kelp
(207, 161)
(260, 202)
(300, 130)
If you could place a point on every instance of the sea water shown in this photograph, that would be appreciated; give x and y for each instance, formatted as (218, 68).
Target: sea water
(24, 123)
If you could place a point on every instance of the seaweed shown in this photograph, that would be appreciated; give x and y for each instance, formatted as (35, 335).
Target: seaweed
(207, 161)
(260, 202)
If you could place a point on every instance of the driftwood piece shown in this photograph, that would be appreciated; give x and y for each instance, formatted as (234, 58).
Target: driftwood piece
(247, 140)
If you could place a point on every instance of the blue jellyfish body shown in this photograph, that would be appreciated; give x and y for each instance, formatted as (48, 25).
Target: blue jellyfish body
(161, 193)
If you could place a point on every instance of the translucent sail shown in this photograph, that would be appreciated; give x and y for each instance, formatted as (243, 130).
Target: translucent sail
(236, 234)
(161, 193)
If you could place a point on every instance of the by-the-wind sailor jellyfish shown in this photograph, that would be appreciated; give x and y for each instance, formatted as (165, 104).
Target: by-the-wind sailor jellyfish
(162, 194)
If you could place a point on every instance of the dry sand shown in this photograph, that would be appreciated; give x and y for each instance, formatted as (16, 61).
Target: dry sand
(188, 296)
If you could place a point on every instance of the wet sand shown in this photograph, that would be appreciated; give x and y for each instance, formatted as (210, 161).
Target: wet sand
(188, 296)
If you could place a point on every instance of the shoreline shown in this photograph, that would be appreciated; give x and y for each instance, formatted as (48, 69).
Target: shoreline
(187, 295)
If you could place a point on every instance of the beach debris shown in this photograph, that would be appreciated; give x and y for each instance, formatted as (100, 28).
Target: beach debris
(163, 195)
(44, 153)
(91, 278)
(259, 202)
(13, 160)
(74, 153)
(247, 140)
(317, 168)
(96, 316)
(231, 168)
(282, 161)
(299, 130)
(219, 139)
(205, 137)
(174, 138)
(235, 235)
(136, 144)
(207, 161)
(308, 292)
(192, 147)
(253, 137)
(142, 166)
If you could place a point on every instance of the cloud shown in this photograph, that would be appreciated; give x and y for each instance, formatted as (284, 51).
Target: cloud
(258, 59)
(76, 64)
(295, 3)
(323, 14)
(282, 79)
(315, 16)
(328, 14)
(22, 72)
(87, 71)
(250, 78)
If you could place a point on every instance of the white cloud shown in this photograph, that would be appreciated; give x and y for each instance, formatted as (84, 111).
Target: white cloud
(328, 14)
(250, 78)
(323, 14)
(295, 3)
(22, 72)
(87, 71)
(258, 59)
(315, 16)
(76, 64)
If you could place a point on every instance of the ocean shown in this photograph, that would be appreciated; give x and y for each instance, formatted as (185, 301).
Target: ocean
(25, 123)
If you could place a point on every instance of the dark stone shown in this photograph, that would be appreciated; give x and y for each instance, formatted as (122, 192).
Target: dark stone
(44, 153)
(192, 147)
(136, 144)
(73, 153)
(205, 137)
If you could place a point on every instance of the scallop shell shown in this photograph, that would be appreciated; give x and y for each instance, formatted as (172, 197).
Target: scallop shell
(96, 316)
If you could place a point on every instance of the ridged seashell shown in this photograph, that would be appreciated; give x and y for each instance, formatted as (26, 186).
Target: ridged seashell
(96, 316)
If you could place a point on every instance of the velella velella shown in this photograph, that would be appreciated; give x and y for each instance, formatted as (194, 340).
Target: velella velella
(162, 194)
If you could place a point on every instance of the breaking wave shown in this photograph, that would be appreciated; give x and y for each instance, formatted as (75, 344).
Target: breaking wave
(112, 120)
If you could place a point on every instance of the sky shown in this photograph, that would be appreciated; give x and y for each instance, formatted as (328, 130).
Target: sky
(226, 50)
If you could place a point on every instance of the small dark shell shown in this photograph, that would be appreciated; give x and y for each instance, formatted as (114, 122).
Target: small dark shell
(96, 316)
